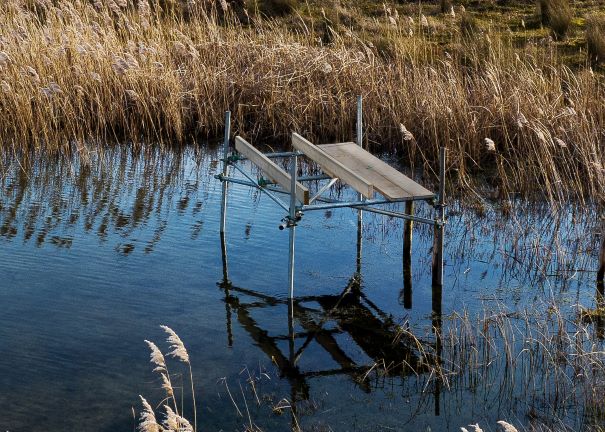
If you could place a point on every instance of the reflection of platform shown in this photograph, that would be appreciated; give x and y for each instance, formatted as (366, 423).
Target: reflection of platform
(322, 319)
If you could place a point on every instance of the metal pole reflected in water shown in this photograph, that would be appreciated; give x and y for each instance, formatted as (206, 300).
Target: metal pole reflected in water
(226, 285)
(437, 323)
(359, 243)
(407, 257)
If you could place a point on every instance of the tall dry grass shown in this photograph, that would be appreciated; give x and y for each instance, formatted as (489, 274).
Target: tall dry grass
(73, 72)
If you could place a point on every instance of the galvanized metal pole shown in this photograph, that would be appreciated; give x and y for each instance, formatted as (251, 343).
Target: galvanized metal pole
(359, 134)
(292, 222)
(407, 256)
(359, 137)
(225, 170)
(440, 226)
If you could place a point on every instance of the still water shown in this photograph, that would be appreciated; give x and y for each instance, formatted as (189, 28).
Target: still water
(96, 253)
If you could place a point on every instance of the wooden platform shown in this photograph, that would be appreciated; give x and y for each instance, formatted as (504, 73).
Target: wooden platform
(270, 169)
(360, 169)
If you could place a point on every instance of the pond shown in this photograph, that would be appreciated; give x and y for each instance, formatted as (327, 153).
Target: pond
(96, 253)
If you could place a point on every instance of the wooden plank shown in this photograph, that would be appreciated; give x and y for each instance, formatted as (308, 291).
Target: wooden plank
(385, 179)
(333, 167)
(270, 169)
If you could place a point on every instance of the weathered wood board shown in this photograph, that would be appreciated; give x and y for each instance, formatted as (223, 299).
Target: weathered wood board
(333, 167)
(270, 169)
(385, 179)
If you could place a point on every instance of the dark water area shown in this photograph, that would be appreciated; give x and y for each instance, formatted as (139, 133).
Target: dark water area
(96, 253)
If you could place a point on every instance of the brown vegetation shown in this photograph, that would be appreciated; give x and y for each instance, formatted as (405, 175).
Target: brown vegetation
(595, 37)
(557, 14)
(74, 72)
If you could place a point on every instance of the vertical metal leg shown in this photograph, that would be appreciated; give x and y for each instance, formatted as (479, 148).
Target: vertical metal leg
(225, 170)
(407, 256)
(359, 137)
(440, 227)
(359, 134)
(292, 222)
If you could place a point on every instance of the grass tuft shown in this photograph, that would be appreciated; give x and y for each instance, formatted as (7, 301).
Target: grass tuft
(557, 14)
(595, 38)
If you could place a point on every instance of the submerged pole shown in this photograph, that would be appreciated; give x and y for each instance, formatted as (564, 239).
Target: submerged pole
(225, 170)
(440, 226)
(292, 222)
(407, 256)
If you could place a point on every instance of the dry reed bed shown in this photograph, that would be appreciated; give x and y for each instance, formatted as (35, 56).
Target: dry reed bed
(71, 73)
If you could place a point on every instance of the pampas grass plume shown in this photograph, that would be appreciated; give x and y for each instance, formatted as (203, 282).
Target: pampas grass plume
(156, 357)
(507, 426)
(175, 422)
(176, 344)
(147, 422)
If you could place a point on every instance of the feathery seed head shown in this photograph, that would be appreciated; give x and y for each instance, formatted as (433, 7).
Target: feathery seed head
(4, 59)
(33, 74)
(147, 420)
(560, 143)
(156, 357)
(507, 426)
(407, 135)
(175, 422)
(176, 344)
(167, 385)
(521, 120)
(490, 145)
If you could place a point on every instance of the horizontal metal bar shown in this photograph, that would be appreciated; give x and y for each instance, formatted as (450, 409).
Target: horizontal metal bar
(275, 155)
(314, 177)
(236, 181)
(276, 200)
(283, 154)
(402, 216)
(365, 206)
(341, 204)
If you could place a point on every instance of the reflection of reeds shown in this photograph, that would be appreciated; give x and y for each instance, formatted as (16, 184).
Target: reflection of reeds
(550, 365)
(118, 191)
(75, 71)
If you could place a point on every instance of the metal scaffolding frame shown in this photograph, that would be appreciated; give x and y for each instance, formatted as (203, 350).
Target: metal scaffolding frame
(295, 211)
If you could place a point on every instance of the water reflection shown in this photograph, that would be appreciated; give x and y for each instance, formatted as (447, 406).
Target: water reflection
(117, 191)
(140, 228)
(321, 319)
